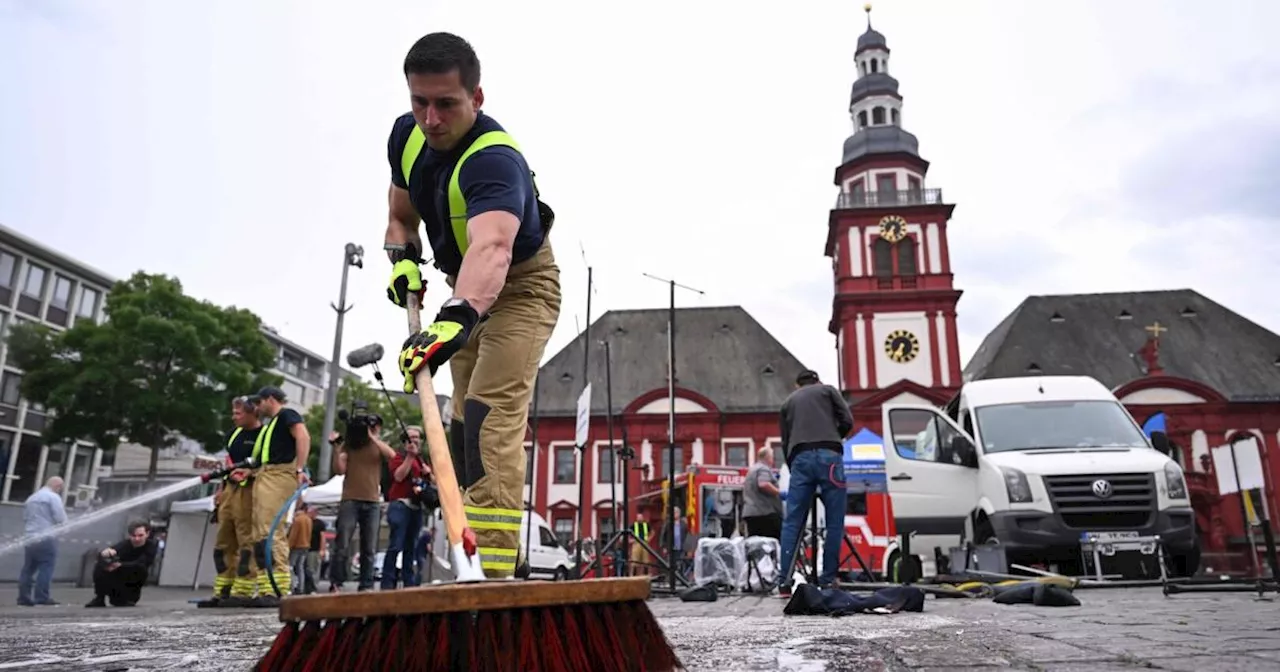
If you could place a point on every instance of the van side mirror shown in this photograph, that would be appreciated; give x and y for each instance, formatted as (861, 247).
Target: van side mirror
(962, 448)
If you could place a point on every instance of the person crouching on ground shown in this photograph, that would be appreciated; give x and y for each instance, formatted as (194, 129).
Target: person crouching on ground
(404, 512)
(122, 569)
(359, 461)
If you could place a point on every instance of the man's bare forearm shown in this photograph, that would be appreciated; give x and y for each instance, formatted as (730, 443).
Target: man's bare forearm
(483, 274)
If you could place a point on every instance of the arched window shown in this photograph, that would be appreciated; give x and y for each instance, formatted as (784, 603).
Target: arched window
(862, 119)
(893, 116)
(882, 250)
(877, 116)
(907, 256)
(875, 65)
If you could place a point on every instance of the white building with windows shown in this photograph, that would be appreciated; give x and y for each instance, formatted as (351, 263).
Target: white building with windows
(39, 284)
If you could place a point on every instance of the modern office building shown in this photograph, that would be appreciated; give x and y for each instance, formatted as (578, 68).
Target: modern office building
(40, 284)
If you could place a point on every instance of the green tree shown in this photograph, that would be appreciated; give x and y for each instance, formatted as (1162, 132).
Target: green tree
(350, 391)
(163, 365)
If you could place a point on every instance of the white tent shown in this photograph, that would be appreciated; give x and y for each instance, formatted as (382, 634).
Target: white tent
(329, 492)
(203, 504)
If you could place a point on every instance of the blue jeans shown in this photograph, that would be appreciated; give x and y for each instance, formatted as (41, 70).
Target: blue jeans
(821, 472)
(38, 564)
(405, 525)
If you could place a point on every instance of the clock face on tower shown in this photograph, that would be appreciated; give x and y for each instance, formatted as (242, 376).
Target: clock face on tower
(902, 346)
(893, 228)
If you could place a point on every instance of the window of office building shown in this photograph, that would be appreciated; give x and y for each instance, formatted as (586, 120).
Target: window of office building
(10, 395)
(59, 302)
(80, 469)
(88, 306)
(8, 278)
(32, 290)
(25, 479)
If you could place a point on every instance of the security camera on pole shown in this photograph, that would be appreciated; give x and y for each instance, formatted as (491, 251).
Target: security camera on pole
(353, 255)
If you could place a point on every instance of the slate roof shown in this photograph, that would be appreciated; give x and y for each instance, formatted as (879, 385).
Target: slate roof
(1083, 334)
(722, 353)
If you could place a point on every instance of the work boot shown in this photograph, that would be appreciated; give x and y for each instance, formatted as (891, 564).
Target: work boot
(97, 601)
(266, 602)
(235, 602)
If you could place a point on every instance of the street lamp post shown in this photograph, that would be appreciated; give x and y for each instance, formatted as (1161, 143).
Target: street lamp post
(353, 255)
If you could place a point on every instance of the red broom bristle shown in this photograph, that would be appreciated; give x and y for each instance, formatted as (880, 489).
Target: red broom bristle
(416, 656)
(302, 644)
(316, 660)
(551, 653)
(527, 641)
(348, 639)
(575, 639)
(279, 648)
(656, 651)
(370, 646)
(391, 647)
(440, 654)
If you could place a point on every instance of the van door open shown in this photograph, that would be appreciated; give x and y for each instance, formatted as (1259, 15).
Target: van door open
(932, 469)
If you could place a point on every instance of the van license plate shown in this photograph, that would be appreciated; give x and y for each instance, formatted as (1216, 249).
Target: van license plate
(1108, 537)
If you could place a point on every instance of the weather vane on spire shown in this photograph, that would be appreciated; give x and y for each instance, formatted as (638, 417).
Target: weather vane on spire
(867, 7)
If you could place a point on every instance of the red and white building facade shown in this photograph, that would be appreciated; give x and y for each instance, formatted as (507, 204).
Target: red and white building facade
(893, 317)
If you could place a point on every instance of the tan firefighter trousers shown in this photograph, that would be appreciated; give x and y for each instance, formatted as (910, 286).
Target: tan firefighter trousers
(233, 548)
(493, 378)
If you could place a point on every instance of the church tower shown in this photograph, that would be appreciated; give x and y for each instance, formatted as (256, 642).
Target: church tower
(894, 312)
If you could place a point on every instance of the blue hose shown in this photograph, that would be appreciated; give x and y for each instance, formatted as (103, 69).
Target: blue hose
(272, 533)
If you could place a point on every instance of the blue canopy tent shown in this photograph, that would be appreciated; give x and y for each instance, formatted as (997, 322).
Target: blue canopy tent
(864, 462)
(1155, 423)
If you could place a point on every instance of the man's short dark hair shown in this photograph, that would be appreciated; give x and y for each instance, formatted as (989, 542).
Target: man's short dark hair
(442, 53)
(807, 377)
(135, 524)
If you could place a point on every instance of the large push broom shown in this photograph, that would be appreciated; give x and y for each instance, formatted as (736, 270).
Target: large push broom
(501, 625)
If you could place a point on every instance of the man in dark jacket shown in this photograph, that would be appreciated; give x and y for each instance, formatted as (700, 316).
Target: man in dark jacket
(815, 420)
(122, 569)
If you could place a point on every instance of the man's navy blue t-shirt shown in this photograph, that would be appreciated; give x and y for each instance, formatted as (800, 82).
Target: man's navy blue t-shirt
(496, 178)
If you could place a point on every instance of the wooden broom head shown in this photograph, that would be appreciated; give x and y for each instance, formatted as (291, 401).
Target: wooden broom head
(495, 595)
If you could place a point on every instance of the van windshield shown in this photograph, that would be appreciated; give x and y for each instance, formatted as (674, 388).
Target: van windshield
(1056, 424)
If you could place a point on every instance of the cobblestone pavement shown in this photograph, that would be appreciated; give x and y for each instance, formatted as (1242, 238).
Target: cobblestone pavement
(1112, 630)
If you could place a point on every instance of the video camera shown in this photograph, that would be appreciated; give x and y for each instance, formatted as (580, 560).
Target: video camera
(426, 493)
(359, 421)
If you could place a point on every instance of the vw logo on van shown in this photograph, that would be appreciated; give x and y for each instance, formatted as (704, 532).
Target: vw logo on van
(1102, 488)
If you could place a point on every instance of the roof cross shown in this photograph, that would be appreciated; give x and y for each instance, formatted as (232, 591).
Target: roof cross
(1155, 330)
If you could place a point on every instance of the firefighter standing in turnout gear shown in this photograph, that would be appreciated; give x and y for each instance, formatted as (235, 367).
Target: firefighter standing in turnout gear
(281, 450)
(236, 582)
(487, 228)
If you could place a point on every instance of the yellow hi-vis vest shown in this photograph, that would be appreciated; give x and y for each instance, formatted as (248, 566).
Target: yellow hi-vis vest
(457, 202)
(640, 529)
(262, 444)
(230, 442)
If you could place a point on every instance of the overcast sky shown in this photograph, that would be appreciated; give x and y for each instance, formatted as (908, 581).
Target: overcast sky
(1089, 146)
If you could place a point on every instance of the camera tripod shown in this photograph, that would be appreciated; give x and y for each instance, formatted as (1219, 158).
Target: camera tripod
(622, 539)
(811, 572)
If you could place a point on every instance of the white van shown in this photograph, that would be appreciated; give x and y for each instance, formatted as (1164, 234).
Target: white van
(547, 556)
(1033, 464)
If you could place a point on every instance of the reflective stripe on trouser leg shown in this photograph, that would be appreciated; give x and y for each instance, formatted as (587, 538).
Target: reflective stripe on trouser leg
(497, 561)
(274, 485)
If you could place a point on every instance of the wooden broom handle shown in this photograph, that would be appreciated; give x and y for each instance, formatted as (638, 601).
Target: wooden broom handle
(437, 445)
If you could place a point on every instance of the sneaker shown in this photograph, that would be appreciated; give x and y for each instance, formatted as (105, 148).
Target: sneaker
(784, 591)
(48, 603)
(26, 603)
(96, 602)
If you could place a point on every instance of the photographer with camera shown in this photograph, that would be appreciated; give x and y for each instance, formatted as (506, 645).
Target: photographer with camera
(359, 460)
(410, 495)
